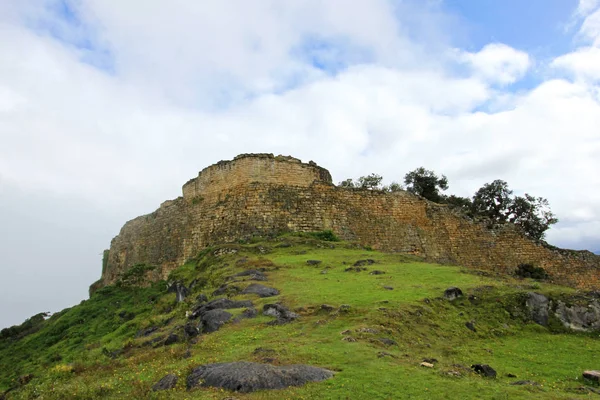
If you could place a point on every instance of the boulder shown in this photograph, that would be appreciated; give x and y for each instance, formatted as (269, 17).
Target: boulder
(592, 375)
(453, 293)
(213, 320)
(166, 383)
(579, 318)
(361, 263)
(484, 370)
(223, 304)
(261, 290)
(538, 305)
(191, 330)
(248, 377)
(171, 339)
(282, 314)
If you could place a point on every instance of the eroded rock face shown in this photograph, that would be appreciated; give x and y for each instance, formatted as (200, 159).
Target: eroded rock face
(537, 304)
(579, 318)
(248, 377)
(576, 317)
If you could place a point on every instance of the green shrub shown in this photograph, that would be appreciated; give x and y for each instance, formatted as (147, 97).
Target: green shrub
(326, 235)
(531, 271)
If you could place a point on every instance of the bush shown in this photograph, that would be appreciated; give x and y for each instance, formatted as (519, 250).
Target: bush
(327, 236)
(531, 271)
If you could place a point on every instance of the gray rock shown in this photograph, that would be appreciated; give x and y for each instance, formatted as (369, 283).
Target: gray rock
(181, 292)
(282, 314)
(146, 331)
(453, 293)
(201, 298)
(538, 304)
(484, 370)
(166, 383)
(223, 304)
(248, 377)
(261, 290)
(579, 318)
(360, 263)
(171, 339)
(592, 375)
(191, 330)
(471, 326)
(252, 274)
(313, 262)
(387, 342)
(377, 272)
(213, 320)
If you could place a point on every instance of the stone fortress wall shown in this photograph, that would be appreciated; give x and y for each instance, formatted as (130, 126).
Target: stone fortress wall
(258, 194)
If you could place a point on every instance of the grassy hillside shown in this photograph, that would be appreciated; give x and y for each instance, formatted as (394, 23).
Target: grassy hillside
(374, 331)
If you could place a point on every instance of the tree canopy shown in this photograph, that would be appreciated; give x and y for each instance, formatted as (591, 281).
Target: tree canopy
(426, 183)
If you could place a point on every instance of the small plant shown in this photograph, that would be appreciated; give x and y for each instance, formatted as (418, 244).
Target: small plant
(531, 271)
(326, 235)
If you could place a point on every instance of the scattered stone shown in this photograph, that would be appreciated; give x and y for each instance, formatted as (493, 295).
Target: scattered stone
(191, 330)
(361, 263)
(454, 373)
(150, 342)
(327, 307)
(367, 330)
(387, 342)
(592, 375)
(313, 262)
(167, 382)
(346, 332)
(282, 314)
(226, 289)
(471, 326)
(355, 269)
(453, 293)
(146, 331)
(537, 304)
(248, 377)
(213, 320)
(181, 292)
(171, 339)
(525, 383)
(349, 339)
(201, 298)
(323, 272)
(253, 274)
(344, 308)
(377, 272)
(25, 379)
(485, 370)
(382, 354)
(388, 288)
(511, 375)
(223, 304)
(426, 364)
(430, 360)
(261, 290)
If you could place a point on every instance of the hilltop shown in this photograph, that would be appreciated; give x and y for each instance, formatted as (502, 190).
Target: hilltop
(369, 317)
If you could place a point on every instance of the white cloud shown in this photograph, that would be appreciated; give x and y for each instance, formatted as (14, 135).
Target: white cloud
(585, 7)
(584, 63)
(498, 63)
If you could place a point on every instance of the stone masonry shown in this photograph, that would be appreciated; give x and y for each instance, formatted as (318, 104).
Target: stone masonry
(259, 194)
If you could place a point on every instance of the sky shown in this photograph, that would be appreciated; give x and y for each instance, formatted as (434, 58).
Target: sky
(107, 107)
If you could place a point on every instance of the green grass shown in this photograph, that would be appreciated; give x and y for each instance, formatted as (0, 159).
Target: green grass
(70, 355)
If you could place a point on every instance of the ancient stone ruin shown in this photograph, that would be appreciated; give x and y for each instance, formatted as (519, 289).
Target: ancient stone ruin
(260, 194)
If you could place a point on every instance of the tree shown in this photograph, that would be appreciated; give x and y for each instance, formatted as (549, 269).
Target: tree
(347, 183)
(426, 183)
(370, 182)
(531, 214)
(393, 187)
(463, 203)
(492, 201)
